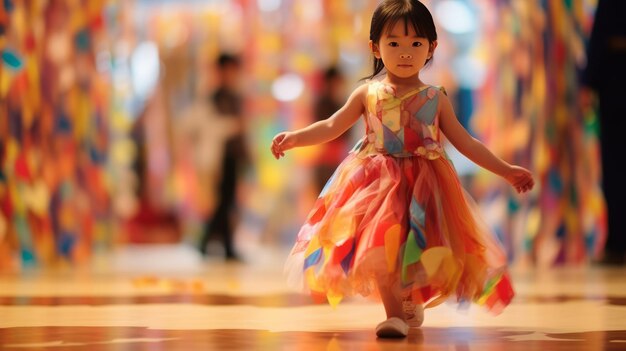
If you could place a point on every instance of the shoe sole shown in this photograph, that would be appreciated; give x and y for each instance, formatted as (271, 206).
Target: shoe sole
(392, 329)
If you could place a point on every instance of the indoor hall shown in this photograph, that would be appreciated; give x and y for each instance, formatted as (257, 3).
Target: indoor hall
(160, 188)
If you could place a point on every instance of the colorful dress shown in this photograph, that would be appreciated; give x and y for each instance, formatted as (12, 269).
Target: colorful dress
(395, 208)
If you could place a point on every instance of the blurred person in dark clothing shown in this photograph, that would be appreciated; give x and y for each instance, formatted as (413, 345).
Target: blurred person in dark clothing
(331, 98)
(605, 74)
(227, 101)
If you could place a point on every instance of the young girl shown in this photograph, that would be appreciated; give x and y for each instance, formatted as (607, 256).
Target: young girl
(394, 216)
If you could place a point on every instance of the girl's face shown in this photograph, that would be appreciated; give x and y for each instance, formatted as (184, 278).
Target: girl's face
(402, 51)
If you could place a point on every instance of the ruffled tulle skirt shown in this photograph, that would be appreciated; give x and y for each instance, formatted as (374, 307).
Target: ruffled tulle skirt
(401, 218)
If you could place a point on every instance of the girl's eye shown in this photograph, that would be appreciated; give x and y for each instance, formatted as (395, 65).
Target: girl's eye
(393, 44)
(417, 44)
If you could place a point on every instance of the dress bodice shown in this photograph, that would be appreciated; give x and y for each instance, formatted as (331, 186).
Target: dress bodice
(403, 126)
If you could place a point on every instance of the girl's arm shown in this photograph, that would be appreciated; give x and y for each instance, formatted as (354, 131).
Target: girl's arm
(520, 178)
(324, 130)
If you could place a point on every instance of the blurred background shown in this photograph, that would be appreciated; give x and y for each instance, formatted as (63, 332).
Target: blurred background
(109, 138)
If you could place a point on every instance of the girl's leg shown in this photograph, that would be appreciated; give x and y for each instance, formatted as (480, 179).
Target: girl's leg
(399, 304)
(394, 326)
(387, 289)
(413, 313)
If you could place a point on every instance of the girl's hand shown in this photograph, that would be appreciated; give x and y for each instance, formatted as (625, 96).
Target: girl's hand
(520, 178)
(283, 142)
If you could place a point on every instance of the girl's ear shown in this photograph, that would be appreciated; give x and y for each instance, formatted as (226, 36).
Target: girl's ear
(374, 49)
(431, 50)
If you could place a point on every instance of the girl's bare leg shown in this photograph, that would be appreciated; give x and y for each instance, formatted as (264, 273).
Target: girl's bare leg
(398, 304)
(388, 294)
(394, 326)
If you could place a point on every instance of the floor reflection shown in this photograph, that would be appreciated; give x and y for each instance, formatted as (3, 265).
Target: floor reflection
(134, 338)
(220, 306)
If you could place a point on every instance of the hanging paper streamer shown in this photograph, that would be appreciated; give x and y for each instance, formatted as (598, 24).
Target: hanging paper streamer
(53, 192)
(11, 60)
(530, 116)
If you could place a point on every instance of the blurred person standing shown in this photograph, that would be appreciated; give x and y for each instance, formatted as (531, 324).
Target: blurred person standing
(227, 101)
(330, 99)
(605, 75)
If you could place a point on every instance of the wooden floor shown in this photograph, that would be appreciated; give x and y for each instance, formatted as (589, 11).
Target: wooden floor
(167, 299)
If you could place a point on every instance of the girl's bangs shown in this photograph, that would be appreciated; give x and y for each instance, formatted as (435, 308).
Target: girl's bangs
(406, 18)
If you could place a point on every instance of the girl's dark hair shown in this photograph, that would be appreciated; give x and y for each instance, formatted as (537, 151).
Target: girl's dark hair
(389, 12)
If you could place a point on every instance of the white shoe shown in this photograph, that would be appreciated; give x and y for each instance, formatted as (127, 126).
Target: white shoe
(413, 313)
(393, 327)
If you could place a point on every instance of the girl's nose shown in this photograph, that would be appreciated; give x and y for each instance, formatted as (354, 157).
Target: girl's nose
(406, 56)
